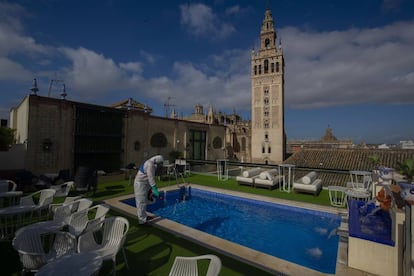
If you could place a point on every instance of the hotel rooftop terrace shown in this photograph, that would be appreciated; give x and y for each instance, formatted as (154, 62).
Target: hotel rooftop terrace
(151, 250)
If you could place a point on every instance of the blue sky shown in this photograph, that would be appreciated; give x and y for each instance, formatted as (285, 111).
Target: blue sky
(349, 64)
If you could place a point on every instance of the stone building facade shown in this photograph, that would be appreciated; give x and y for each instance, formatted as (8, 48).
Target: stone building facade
(267, 100)
(64, 134)
(327, 141)
(238, 131)
(60, 134)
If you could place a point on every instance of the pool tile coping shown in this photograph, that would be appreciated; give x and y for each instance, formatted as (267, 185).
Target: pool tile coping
(255, 258)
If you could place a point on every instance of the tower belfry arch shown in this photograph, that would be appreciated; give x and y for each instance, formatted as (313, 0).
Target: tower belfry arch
(267, 99)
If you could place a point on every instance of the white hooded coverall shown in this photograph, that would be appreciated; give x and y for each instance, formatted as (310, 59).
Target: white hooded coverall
(144, 181)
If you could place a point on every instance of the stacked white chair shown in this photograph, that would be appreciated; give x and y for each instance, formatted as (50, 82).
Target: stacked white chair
(113, 237)
(68, 199)
(61, 217)
(45, 199)
(188, 265)
(62, 190)
(7, 185)
(81, 221)
(30, 246)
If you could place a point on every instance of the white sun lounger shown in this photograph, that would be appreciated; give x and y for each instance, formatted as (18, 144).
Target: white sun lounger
(310, 184)
(268, 179)
(248, 176)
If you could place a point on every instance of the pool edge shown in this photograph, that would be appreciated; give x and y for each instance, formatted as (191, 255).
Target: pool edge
(255, 258)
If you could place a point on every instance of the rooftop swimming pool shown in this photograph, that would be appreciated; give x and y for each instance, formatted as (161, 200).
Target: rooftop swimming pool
(297, 235)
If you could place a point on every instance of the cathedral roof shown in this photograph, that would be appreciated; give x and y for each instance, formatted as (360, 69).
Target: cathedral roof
(133, 105)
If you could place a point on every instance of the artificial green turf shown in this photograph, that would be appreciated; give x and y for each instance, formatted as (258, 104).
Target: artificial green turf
(151, 251)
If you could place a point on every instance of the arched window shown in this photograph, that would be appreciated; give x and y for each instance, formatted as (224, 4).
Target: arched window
(158, 140)
(260, 69)
(217, 143)
(277, 66)
(255, 69)
(266, 111)
(266, 66)
(267, 43)
(272, 67)
(243, 143)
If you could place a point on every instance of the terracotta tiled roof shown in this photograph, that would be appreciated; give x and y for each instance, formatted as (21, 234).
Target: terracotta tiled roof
(333, 165)
(347, 159)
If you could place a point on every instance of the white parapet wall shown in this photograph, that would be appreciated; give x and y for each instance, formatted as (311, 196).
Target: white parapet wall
(378, 258)
(13, 159)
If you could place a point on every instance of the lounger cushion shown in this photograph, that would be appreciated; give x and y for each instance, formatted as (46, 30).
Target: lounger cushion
(314, 188)
(251, 172)
(309, 178)
(269, 175)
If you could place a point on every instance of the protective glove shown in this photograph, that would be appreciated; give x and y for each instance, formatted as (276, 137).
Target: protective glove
(155, 191)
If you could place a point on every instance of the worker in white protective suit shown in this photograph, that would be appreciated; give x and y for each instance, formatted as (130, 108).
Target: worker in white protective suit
(145, 183)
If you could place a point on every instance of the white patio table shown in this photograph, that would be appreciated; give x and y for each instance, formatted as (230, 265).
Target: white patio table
(74, 264)
(14, 217)
(10, 198)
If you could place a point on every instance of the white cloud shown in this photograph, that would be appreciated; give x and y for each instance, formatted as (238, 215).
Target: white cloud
(91, 74)
(390, 5)
(200, 20)
(10, 14)
(12, 38)
(10, 70)
(135, 67)
(349, 67)
(233, 10)
(151, 59)
(322, 68)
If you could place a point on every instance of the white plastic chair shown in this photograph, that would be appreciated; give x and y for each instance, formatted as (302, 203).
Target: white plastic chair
(63, 189)
(113, 237)
(7, 185)
(79, 204)
(31, 247)
(187, 266)
(85, 220)
(45, 199)
(61, 217)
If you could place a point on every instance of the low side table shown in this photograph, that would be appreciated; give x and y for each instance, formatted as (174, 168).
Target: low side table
(357, 195)
(337, 195)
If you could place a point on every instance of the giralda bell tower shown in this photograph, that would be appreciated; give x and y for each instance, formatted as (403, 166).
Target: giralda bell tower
(267, 77)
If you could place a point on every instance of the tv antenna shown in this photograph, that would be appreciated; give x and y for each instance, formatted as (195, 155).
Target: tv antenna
(167, 106)
(52, 84)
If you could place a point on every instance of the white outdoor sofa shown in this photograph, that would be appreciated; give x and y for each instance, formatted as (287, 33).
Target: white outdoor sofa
(248, 177)
(268, 179)
(309, 183)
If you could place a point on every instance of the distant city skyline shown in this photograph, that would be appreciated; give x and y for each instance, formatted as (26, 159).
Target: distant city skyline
(349, 64)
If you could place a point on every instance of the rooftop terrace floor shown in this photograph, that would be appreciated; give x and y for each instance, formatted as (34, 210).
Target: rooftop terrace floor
(255, 258)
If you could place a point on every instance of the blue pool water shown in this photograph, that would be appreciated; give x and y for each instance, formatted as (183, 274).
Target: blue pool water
(301, 236)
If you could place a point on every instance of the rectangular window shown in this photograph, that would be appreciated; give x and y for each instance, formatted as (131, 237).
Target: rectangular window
(197, 145)
(260, 69)
(255, 69)
(277, 66)
(273, 67)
